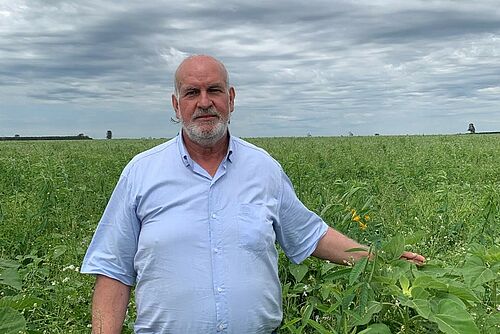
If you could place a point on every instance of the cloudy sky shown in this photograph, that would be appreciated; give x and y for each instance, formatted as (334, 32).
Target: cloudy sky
(320, 67)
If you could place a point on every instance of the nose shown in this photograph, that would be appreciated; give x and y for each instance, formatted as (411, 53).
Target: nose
(204, 100)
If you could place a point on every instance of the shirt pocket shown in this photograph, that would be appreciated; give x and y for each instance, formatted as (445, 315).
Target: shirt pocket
(255, 231)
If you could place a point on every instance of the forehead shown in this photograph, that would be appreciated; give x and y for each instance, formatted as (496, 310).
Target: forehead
(201, 71)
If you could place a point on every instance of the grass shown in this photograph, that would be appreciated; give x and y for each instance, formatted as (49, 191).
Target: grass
(441, 193)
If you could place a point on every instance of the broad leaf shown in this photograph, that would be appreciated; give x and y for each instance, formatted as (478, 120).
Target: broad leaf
(451, 318)
(405, 285)
(367, 314)
(376, 329)
(461, 291)
(20, 302)
(10, 277)
(429, 282)
(446, 285)
(394, 248)
(324, 290)
(476, 273)
(420, 301)
(385, 280)
(419, 293)
(422, 306)
(8, 264)
(11, 321)
(298, 271)
(58, 251)
(327, 266)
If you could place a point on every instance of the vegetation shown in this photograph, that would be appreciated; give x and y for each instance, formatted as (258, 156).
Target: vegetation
(437, 195)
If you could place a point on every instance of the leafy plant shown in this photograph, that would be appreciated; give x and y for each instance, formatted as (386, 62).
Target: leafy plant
(387, 294)
(442, 193)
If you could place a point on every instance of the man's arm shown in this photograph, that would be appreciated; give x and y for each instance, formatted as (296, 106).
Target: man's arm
(333, 245)
(109, 305)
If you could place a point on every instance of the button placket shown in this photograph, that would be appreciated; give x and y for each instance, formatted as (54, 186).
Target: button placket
(218, 278)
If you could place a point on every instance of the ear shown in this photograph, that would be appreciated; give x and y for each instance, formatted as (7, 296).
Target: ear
(232, 94)
(175, 105)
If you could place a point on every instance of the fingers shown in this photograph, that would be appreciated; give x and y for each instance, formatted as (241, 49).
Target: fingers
(413, 257)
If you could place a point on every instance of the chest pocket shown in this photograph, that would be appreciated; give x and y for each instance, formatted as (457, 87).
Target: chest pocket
(255, 231)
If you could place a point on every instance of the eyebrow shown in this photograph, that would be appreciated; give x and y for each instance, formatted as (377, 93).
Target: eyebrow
(215, 85)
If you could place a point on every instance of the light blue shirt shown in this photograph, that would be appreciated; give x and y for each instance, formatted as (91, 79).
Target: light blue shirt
(201, 249)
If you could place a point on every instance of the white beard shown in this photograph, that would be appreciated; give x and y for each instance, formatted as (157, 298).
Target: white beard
(200, 134)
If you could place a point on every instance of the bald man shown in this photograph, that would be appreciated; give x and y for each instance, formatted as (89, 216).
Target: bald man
(193, 222)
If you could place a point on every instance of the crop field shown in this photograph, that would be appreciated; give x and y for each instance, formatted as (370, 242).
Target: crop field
(436, 195)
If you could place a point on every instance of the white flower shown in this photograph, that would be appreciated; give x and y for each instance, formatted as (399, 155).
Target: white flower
(70, 267)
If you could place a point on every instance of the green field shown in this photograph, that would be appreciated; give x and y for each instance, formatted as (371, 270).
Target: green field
(437, 195)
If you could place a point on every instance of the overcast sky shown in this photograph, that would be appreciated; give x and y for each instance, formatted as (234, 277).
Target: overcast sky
(320, 67)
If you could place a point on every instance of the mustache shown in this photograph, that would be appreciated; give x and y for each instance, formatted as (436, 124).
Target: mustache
(206, 112)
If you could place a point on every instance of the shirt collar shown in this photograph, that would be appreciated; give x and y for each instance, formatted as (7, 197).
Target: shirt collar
(186, 159)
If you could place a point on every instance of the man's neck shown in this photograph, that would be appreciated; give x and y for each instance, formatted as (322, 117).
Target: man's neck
(208, 157)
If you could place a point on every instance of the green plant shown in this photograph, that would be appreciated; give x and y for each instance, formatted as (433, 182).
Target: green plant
(387, 295)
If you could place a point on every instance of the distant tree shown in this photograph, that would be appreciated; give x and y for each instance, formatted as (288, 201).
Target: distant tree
(472, 129)
(109, 134)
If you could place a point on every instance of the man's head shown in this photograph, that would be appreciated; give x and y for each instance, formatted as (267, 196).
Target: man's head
(203, 100)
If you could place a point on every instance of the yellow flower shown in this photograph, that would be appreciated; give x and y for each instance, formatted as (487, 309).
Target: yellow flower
(362, 226)
(367, 218)
(356, 218)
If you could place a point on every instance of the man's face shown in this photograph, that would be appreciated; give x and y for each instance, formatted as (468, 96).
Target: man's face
(204, 102)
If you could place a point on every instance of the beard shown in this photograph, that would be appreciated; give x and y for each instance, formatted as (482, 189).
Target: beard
(209, 132)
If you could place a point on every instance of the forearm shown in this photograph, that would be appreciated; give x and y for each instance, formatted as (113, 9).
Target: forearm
(333, 246)
(109, 305)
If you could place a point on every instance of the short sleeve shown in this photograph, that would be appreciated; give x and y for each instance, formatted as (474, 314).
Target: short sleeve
(298, 230)
(114, 244)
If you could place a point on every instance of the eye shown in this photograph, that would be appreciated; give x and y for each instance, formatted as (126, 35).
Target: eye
(190, 92)
(215, 90)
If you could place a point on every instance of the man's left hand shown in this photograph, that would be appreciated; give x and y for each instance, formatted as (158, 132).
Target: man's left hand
(418, 259)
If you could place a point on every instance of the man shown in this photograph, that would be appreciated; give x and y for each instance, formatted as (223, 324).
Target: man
(192, 223)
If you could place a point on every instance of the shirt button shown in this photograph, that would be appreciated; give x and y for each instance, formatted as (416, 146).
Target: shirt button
(214, 215)
(216, 250)
(221, 327)
(219, 289)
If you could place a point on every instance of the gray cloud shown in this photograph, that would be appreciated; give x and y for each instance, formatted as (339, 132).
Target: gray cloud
(321, 67)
